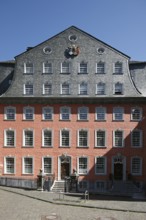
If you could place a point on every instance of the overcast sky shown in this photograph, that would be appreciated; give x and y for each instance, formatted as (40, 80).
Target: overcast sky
(119, 23)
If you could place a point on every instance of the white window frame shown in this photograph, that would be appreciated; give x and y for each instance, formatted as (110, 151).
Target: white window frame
(118, 113)
(86, 139)
(100, 88)
(65, 67)
(65, 113)
(28, 68)
(135, 139)
(118, 68)
(100, 67)
(104, 165)
(6, 138)
(6, 165)
(140, 166)
(64, 140)
(24, 138)
(26, 115)
(47, 69)
(100, 113)
(83, 88)
(50, 165)
(118, 88)
(28, 91)
(9, 116)
(65, 89)
(136, 116)
(121, 139)
(83, 113)
(50, 113)
(47, 88)
(23, 165)
(43, 137)
(83, 68)
(83, 171)
(103, 138)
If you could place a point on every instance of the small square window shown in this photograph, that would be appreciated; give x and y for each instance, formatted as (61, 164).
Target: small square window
(47, 89)
(100, 89)
(100, 68)
(47, 165)
(83, 138)
(83, 68)
(65, 138)
(65, 67)
(100, 165)
(10, 113)
(118, 138)
(64, 113)
(27, 165)
(136, 114)
(118, 89)
(47, 113)
(28, 89)
(118, 68)
(100, 113)
(118, 114)
(47, 68)
(65, 89)
(83, 89)
(28, 113)
(9, 165)
(82, 165)
(28, 68)
(83, 113)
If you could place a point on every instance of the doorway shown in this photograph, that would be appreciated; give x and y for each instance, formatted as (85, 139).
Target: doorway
(64, 170)
(118, 171)
(64, 166)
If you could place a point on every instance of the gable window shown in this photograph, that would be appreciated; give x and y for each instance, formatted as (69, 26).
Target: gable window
(28, 68)
(65, 138)
(9, 165)
(28, 138)
(47, 113)
(118, 89)
(47, 165)
(83, 68)
(65, 89)
(83, 88)
(118, 138)
(100, 88)
(82, 138)
(83, 113)
(136, 138)
(136, 114)
(100, 165)
(65, 67)
(47, 68)
(47, 138)
(9, 138)
(118, 68)
(28, 89)
(47, 89)
(100, 68)
(118, 113)
(82, 165)
(65, 113)
(100, 138)
(136, 166)
(28, 113)
(27, 165)
(10, 113)
(100, 113)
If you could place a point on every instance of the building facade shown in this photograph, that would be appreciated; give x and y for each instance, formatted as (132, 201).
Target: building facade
(73, 103)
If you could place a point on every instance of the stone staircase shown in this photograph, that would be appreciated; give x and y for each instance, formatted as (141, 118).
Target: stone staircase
(58, 186)
(127, 188)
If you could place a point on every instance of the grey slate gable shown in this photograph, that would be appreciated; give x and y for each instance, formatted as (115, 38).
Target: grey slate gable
(88, 46)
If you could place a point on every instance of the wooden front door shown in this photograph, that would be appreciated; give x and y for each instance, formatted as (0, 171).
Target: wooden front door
(118, 171)
(65, 170)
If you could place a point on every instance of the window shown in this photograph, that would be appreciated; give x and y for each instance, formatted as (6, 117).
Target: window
(100, 165)
(136, 166)
(100, 88)
(118, 68)
(83, 113)
(136, 138)
(27, 165)
(118, 89)
(47, 68)
(83, 87)
(83, 185)
(65, 89)
(100, 138)
(28, 113)
(100, 186)
(136, 114)
(10, 113)
(118, 113)
(9, 138)
(100, 68)
(100, 113)
(83, 138)
(83, 68)
(65, 67)
(9, 165)
(47, 113)
(47, 165)
(47, 89)
(82, 165)
(28, 89)
(28, 138)
(65, 138)
(28, 68)
(47, 138)
(65, 113)
(118, 138)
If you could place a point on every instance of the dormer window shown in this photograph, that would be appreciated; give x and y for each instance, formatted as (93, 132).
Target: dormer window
(28, 88)
(28, 68)
(118, 90)
(118, 68)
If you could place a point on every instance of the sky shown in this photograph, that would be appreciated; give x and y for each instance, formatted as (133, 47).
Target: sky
(119, 23)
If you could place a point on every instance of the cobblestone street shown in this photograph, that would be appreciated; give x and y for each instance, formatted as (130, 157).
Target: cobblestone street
(21, 207)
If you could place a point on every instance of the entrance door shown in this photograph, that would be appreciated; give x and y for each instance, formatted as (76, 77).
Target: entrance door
(64, 170)
(118, 171)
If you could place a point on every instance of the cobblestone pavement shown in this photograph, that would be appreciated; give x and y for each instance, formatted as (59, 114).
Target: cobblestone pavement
(19, 204)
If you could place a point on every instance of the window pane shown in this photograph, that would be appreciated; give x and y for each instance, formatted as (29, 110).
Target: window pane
(65, 89)
(100, 165)
(47, 138)
(100, 68)
(118, 68)
(83, 138)
(65, 138)
(47, 165)
(83, 169)
(100, 114)
(100, 138)
(28, 89)
(83, 113)
(100, 88)
(9, 138)
(47, 68)
(65, 67)
(28, 113)
(83, 68)
(118, 138)
(28, 165)
(136, 138)
(136, 166)
(83, 89)
(28, 138)
(118, 89)
(47, 113)
(136, 114)
(28, 68)
(10, 165)
(118, 114)
(47, 89)
(10, 114)
(65, 113)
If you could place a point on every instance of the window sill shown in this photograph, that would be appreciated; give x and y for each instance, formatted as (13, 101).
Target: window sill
(97, 147)
(9, 119)
(47, 73)
(64, 146)
(82, 73)
(27, 146)
(27, 119)
(84, 120)
(100, 120)
(118, 120)
(100, 73)
(27, 174)
(83, 147)
(47, 146)
(47, 119)
(63, 73)
(9, 146)
(64, 120)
